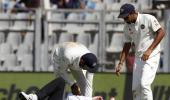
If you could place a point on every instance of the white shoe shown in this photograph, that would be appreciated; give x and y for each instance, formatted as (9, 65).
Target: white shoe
(24, 96)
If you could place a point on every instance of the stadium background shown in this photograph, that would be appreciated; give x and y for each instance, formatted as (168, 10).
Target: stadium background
(29, 33)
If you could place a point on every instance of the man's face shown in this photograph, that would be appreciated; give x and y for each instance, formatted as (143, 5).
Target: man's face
(83, 65)
(128, 19)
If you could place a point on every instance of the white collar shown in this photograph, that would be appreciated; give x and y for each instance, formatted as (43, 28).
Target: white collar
(137, 20)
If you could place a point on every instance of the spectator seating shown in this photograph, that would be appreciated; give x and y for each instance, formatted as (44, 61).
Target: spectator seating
(2, 37)
(27, 62)
(108, 18)
(29, 40)
(84, 38)
(93, 47)
(14, 39)
(4, 21)
(22, 50)
(5, 49)
(45, 59)
(52, 40)
(90, 27)
(11, 63)
(56, 27)
(116, 44)
(21, 22)
(72, 27)
(65, 37)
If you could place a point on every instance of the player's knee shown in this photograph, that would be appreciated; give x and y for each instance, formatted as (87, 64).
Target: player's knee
(145, 85)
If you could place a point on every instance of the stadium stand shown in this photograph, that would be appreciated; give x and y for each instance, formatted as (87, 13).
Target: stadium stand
(57, 27)
(116, 43)
(29, 39)
(27, 62)
(93, 47)
(65, 37)
(14, 39)
(2, 37)
(45, 59)
(5, 49)
(10, 62)
(20, 24)
(84, 38)
(4, 23)
(73, 28)
(90, 27)
(36, 33)
(22, 50)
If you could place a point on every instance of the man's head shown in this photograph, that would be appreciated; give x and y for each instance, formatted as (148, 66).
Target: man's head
(89, 62)
(128, 13)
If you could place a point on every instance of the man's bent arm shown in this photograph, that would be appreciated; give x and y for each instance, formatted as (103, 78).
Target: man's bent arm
(159, 35)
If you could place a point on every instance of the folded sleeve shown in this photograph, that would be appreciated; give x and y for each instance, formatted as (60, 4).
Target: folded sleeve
(155, 24)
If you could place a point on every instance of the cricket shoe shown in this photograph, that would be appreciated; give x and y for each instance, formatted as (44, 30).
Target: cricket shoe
(24, 96)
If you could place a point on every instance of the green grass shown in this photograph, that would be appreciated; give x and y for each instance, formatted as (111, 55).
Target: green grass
(162, 79)
(25, 79)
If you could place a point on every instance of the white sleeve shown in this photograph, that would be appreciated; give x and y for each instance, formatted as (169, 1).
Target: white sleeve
(74, 97)
(155, 24)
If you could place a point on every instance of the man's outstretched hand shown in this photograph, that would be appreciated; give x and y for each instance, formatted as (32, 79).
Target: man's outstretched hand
(118, 68)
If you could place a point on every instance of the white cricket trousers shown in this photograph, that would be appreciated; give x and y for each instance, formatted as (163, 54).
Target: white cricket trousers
(143, 75)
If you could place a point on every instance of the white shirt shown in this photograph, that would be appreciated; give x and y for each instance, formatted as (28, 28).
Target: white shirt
(74, 97)
(67, 56)
(142, 33)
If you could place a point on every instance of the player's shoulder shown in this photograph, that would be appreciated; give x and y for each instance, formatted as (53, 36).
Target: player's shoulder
(147, 16)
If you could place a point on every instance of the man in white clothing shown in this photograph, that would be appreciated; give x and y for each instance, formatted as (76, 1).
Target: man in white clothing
(82, 64)
(78, 97)
(146, 33)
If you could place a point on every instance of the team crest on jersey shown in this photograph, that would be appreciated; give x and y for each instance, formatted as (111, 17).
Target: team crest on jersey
(130, 31)
(142, 26)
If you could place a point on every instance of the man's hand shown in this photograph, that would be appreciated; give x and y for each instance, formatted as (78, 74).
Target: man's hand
(75, 89)
(118, 68)
(146, 54)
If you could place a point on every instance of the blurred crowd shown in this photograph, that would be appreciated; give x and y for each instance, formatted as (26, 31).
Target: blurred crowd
(12, 5)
